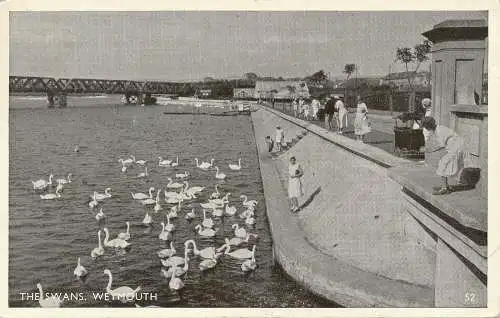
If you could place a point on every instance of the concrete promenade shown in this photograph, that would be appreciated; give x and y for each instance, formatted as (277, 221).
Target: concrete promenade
(347, 242)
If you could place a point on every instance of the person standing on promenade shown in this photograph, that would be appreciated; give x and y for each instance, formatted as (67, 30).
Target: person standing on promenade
(295, 107)
(307, 110)
(301, 107)
(453, 162)
(270, 143)
(280, 137)
(342, 114)
(426, 112)
(295, 191)
(315, 108)
(361, 124)
(329, 110)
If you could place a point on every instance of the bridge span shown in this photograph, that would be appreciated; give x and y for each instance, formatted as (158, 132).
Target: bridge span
(58, 88)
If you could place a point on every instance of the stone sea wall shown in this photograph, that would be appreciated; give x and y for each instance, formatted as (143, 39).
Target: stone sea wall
(350, 226)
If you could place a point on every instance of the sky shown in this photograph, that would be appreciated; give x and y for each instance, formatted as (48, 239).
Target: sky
(191, 45)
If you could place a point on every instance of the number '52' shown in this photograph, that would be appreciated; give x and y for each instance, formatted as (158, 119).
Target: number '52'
(470, 297)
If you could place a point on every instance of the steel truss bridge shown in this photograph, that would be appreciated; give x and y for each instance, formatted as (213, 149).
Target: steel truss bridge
(59, 86)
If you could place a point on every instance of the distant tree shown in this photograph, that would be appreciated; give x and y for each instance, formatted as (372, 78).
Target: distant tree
(251, 76)
(281, 78)
(318, 78)
(416, 56)
(208, 79)
(348, 70)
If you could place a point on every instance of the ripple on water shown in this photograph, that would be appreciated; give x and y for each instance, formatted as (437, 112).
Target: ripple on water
(47, 236)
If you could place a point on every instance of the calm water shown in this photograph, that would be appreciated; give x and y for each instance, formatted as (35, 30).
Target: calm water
(47, 236)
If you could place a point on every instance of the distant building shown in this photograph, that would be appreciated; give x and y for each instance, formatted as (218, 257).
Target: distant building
(400, 80)
(204, 92)
(281, 89)
(243, 93)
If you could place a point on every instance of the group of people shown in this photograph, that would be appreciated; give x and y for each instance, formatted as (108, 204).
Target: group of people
(306, 108)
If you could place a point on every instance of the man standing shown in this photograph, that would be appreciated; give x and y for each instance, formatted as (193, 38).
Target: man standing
(329, 110)
(315, 108)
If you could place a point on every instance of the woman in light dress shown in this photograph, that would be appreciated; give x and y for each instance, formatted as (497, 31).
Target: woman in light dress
(342, 111)
(361, 124)
(295, 173)
(452, 163)
(315, 108)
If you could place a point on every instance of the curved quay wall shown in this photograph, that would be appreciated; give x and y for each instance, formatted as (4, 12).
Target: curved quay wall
(353, 242)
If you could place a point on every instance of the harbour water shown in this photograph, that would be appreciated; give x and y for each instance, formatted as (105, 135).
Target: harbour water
(47, 236)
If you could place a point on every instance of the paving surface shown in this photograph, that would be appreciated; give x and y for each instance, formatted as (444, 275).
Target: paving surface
(346, 242)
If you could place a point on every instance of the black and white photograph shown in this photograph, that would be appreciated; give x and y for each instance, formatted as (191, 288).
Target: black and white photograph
(295, 158)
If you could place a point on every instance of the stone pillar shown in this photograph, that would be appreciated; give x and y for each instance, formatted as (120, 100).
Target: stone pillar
(458, 55)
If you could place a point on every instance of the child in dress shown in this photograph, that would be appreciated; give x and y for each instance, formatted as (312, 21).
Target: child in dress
(280, 137)
(270, 143)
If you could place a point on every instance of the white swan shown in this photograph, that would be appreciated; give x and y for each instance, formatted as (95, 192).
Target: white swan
(173, 185)
(127, 161)
(143, 174)
(93, 203)
(241, 253)
(125, 236)
(142, 196)
(249, 264)
(208, 252)
(251, 203)
(59, 187)
(217, 213)
(250, 220)
(239, 231)
(65, 181)
(150, 201)
(175, 282)
(141, 162)
(175, 260)
(164, 163)
(157, 203)
(164, 235)
(114, 242)
(176, 163)
(147, 219)
(192, 190)
(236, 241)
(219, 175)
(207, 222)
(124, 168)
(204, 165)
(42, 184)
(50, 196)
(230, 210)
(207, 263)
(169, 226)
(235, 167)
(190, 215)
(123, 293)
(99, 216)
(49, 302)
(249, 212)
(99, 250)
(178, 271)
(216, 194)
(205, 232)
(182, 175)
(167, 252)
(100, 196)
(80, 271)
(222, 201)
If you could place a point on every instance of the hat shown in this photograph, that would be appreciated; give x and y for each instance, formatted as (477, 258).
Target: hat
(426, 102)
(336, 96)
